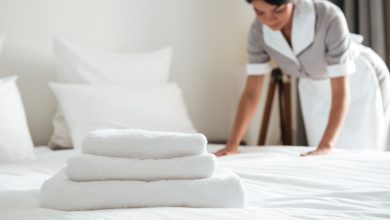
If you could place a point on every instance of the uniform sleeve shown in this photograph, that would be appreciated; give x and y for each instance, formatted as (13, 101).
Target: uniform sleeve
(258, 58)
(340, 52)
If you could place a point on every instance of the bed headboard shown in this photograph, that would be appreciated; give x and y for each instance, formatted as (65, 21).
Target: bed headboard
(209, 40)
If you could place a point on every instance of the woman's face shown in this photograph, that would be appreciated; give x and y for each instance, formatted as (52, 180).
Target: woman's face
(274, 16)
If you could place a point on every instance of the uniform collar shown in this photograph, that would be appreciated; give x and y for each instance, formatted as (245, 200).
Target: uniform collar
(303, 31)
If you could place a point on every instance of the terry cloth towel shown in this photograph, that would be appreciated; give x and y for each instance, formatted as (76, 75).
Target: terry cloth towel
(141, 144)
(224, 190)
(93, 168)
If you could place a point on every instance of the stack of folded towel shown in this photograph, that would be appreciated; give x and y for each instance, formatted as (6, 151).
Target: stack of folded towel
(136, 168)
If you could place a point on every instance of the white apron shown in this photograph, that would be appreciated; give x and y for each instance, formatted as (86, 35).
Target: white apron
(364, 125)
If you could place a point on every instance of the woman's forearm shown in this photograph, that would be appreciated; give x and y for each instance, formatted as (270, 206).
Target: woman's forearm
(338, 112)
(245, 112)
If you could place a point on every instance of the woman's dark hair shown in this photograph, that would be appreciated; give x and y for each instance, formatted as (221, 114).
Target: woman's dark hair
(274, 2)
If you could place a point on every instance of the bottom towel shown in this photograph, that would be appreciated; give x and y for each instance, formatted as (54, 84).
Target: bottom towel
(223, 190)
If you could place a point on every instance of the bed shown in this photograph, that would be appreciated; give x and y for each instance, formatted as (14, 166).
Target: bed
(279, 185)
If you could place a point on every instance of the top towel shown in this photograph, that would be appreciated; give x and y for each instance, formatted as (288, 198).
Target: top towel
(142, 144)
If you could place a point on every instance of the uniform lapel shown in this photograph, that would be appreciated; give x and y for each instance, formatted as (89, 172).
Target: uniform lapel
(304, 23)
(303, 32)
(276, 40)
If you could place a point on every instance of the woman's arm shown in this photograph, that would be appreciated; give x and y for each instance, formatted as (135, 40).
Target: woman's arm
(338, 112)
(246, 109)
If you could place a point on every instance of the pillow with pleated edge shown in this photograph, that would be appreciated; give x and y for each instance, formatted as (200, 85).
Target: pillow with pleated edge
(75, 64)
(91, 107)
(15, 138)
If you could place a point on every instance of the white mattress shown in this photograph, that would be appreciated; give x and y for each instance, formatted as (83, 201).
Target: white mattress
(279, 185)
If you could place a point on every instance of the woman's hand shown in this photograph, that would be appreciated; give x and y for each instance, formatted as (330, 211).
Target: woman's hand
(321, 150)
(226, 151)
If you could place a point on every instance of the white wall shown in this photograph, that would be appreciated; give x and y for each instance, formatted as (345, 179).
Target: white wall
(209, 39)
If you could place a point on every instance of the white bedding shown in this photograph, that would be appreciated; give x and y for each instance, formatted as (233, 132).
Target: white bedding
(279, 185)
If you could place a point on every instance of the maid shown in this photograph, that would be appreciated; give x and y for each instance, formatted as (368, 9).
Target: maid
(344, 87)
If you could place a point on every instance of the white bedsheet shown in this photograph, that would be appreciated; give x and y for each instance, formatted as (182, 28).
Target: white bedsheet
(279, 185)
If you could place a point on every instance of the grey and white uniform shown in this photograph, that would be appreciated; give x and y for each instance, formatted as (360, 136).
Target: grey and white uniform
(323, 48)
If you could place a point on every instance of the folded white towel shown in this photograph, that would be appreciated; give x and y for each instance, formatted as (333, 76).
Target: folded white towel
(93, 168)
(134, 143)
(224, 190)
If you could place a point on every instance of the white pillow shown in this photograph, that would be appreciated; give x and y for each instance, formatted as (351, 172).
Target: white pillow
(90, 107)
(15, 138)
(82, 65)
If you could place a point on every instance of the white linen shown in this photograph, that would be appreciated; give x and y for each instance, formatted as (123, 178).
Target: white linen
(93, 168)
(91, 107)
(224, 190)
(279, 185)
(143, 144)
(15, 139)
